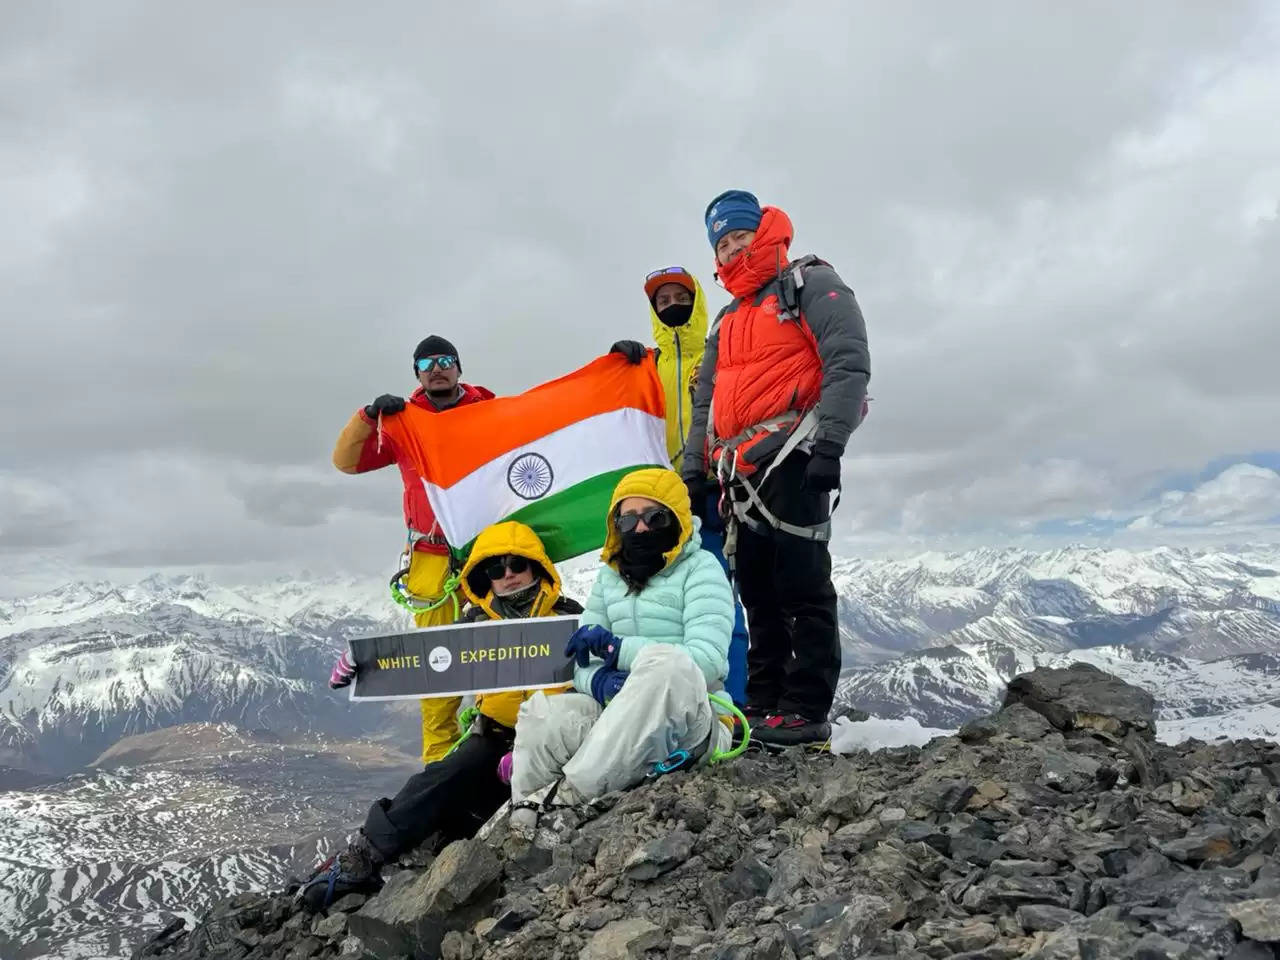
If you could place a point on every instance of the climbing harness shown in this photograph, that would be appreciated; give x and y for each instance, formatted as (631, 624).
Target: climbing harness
(415, 604)
(740, 501)
(686, 759)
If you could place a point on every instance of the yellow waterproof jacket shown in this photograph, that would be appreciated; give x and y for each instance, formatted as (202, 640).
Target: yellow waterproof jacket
(439, 714)
(679, 356)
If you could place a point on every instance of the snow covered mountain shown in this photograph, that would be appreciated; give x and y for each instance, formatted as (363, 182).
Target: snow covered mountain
(1185, 602)
(93, 864)
(87, 664)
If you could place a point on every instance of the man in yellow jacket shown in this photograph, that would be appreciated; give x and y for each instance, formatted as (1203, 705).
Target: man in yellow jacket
(678, 316)
(508, 576)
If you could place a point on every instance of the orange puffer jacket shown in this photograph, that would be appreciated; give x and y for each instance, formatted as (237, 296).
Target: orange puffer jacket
(762, 363)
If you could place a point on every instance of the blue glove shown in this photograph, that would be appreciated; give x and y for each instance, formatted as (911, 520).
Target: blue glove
(593, 639)
(605, 684)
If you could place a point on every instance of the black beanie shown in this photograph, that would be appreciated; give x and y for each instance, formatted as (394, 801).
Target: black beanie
(434, 346)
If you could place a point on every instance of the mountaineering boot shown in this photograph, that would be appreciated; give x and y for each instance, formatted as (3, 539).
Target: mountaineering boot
(755, 715)
(354, 870)
(790, 729)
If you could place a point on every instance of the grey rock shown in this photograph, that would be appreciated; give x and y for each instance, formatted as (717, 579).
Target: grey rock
(1203, 922)
(512, 914)
(305, 949)
(413, 911)
(969, 849)
(623, 940)
(1259, 919)
(1210, 842)
(1023, 868)
(944, 796)
(657, 856)
(1248, 950)
(1038, 916)
(1146, 768)
(748, 879)
(917, 831)
(999, 894)
(1068, 772)
(1154, 946)
(599, 917)
(970, 936)
(794, 867)
(844, 793)
(457, 946)
(1015, 721)
(1082, 697)
(839, 926)
(352, 901)
(332, 927)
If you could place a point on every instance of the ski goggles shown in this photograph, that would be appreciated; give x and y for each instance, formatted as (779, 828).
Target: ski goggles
(444, 363)
(497, 568)
(668, 275)
(655, 518)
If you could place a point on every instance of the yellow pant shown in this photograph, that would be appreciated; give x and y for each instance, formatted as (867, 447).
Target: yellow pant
(426, 577)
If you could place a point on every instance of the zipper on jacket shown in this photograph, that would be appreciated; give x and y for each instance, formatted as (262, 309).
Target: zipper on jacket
(679, 391)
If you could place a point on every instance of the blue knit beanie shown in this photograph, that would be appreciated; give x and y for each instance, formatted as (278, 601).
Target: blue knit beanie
(732, 210)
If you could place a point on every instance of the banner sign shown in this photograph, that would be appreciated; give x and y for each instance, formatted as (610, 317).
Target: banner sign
(463, 658)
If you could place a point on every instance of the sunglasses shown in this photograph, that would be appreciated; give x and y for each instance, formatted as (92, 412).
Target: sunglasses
(497, 568)
(678, 271)
(444, 363)
(655, 518)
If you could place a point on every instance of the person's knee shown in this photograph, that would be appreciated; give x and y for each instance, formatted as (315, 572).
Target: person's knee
(662, 666)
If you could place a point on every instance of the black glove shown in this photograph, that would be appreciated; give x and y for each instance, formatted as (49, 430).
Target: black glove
(699, 489)
(633, 350)
(385, 404)
(823, 472)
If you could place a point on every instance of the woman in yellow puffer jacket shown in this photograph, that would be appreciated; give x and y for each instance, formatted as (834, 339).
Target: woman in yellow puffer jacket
(507, 576)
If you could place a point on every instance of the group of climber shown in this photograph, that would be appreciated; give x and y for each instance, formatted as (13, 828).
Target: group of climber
(760, 405)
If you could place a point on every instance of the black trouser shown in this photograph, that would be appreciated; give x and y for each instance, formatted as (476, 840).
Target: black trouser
(453, 797)
(793, 662)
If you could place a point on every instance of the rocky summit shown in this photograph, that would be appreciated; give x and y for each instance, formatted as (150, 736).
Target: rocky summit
(1057, 828)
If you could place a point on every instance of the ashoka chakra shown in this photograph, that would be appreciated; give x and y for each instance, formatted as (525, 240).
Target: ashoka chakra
(530, 476)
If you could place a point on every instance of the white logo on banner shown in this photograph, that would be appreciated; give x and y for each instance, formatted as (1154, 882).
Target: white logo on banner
(439, 659)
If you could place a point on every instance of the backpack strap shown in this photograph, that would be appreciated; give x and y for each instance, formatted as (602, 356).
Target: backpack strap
(792, 280)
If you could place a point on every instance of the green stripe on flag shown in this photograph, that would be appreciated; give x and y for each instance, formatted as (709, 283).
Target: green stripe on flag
(572, 522)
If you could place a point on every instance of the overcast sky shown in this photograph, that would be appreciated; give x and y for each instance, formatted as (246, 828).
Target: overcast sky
(223, 228)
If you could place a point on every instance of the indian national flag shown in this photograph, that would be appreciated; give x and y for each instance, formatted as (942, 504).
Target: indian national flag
(549, 457)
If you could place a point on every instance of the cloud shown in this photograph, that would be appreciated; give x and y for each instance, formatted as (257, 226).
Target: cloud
(33, 515)
(227, 229)
(1241, 494)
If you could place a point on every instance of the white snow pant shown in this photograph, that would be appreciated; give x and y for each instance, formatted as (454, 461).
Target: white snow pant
(663, 707)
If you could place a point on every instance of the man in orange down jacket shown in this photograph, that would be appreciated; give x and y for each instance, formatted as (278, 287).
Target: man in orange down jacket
(783, 384)
(362, 447)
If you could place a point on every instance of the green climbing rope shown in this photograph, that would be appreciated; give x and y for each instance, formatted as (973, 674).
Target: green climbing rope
(465, 719)
(716, 755)
(415, 605)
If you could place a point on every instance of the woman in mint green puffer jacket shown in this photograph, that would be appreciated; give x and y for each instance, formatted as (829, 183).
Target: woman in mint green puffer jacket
(688, 603)
(651, 645)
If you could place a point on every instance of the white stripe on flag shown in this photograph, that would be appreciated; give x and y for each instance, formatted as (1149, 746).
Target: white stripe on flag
(600, 444)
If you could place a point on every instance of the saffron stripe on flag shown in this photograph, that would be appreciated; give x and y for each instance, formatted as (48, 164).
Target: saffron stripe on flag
(622, 439)
(449, 445)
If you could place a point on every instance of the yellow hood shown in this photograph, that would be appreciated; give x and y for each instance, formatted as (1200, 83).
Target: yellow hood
(499, 540)
(680, 355)
(663, 486)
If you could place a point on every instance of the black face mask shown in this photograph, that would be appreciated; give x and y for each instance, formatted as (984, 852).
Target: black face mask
(675, 314)
(642, 553)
